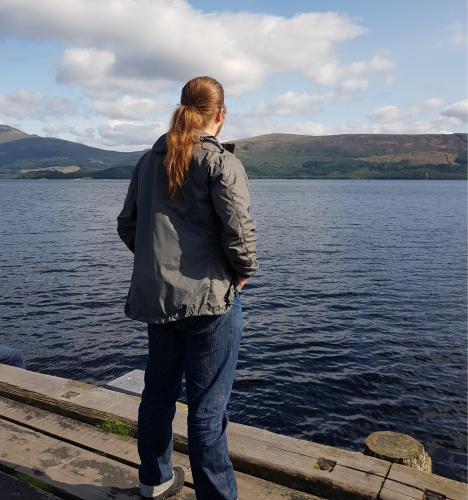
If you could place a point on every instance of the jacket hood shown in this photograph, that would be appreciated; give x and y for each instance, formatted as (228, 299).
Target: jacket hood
(160, 146)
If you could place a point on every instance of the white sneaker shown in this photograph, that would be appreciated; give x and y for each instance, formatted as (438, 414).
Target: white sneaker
(166, 489)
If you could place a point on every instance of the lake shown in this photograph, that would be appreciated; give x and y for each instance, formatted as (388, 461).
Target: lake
(355, 321)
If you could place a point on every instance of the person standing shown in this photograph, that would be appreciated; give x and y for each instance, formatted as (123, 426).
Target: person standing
(186, 218)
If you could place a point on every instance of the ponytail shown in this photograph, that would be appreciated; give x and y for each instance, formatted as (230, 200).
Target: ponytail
(186, 122)
(201, 98)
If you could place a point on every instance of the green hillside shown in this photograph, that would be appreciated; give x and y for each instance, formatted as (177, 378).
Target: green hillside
(358, 156)
(20, 151)
(287, 156)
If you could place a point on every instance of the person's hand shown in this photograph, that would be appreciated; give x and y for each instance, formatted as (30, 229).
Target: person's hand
(241, 281)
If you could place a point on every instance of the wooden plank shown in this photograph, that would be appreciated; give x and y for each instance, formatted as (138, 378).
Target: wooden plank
(253, 451)
(68, 469)
(121, 448)
(124, 449)
(387, 494)
(356, 483)
(85, 402)
(341, 482)
(346, 458)
(133, 383)
(425, 481)
(275, 458)
(392, 490)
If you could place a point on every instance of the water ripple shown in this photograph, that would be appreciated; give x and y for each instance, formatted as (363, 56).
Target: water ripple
(355, 322)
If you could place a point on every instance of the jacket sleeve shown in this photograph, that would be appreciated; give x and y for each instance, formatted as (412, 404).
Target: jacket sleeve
(127, 219)
(229, 192)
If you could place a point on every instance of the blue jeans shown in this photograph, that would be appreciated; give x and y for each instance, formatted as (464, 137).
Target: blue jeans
(206, 349)
(10, 356)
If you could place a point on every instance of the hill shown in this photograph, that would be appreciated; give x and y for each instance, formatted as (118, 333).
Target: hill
(19, 151)
(358, 156)
(355, 156)
(8, 134)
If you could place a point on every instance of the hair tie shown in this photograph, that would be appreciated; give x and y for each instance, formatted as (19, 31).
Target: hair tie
(188, 105)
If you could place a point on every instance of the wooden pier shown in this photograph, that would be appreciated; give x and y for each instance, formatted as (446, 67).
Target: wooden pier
(61, 438)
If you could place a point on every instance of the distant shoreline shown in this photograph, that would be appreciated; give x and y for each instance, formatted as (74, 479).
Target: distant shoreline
(269, 156)
(250, 179)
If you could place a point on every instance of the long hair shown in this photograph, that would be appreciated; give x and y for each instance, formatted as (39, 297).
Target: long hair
(201, 99)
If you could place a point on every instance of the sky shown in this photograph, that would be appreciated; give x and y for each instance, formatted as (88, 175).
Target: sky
(108, 73)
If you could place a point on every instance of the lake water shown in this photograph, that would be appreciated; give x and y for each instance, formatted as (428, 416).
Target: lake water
(355, 321)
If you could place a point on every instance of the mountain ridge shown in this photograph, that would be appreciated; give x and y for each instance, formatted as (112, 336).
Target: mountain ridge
(273, 155)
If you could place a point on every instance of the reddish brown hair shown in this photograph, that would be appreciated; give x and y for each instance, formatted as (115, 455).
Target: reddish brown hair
(201, 98)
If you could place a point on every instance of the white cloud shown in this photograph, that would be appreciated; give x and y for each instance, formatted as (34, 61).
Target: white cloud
(150, 45)
(447, 124)
(353, 85)
(385, 113)
(423, 118)
(293, 103)
(393, 127)
(122, 135)
(353, 76)
(128, 107)
(72, 132)
(417, 119)
(83, 132)
(94, 71)
(288, 113)
(125, 54)
(117, 135)
(242, 126)
(32, 104)
(433, 102)
(458, 110)
(389, 114)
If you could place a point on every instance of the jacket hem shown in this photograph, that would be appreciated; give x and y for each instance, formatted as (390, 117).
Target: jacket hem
(184, 313)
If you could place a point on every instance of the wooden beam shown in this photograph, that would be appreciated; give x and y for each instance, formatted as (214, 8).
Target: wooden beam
(124, 449)
(279, 459)
(63, 468)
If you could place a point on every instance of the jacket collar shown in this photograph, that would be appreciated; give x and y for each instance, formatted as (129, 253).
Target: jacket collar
(161, 144)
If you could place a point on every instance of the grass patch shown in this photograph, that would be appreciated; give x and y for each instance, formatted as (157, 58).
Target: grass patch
(117, 427)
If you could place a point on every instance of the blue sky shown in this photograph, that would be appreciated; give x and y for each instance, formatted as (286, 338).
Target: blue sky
(108, 73)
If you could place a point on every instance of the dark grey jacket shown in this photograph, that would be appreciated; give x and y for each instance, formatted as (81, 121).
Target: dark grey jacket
(187, 250)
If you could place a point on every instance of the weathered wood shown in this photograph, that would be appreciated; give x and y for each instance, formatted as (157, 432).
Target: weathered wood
(67, 468)
(346, 458)
(249, 455)
(257, 452)
(124, 449)
(398, 448)
(356, 483)
(85, 402)
(426, 481)
(393, 490)
(253, 451)
(133, 383)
